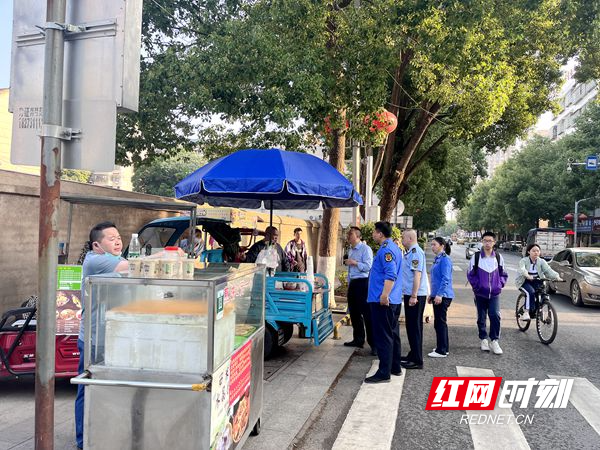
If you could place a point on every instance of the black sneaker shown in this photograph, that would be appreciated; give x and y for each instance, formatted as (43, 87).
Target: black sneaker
(353, 344)
(376, 379)
(399, 373)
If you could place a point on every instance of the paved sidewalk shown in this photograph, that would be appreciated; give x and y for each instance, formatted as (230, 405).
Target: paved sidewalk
(295, 391)
(295, 383)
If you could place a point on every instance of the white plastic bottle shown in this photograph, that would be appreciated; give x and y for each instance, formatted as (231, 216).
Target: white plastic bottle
(135, 248)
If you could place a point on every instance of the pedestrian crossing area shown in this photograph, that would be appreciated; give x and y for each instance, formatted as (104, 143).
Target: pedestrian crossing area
(501, 429)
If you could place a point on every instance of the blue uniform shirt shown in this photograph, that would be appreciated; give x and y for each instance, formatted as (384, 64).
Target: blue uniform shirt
(414, 260)
(441, 276)
(95, 264)
(363, 254)
(387, 265)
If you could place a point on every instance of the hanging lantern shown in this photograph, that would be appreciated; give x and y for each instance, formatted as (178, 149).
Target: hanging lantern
(383, 121)
(569, 217)
(582, 217)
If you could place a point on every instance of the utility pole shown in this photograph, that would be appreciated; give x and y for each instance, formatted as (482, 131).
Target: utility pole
(48, 223)
(355, 179)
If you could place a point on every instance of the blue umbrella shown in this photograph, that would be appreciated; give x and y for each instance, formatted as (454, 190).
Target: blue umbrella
(280, 179)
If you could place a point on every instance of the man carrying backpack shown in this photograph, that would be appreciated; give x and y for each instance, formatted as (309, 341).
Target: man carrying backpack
(487, 277)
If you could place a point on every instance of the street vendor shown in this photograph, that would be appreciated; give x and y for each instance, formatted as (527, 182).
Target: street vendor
(271, 238)
(103, 258)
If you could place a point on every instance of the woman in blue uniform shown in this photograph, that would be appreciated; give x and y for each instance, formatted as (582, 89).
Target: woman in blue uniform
(441, 294)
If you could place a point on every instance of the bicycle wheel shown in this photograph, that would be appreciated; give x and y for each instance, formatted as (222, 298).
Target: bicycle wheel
(546, 322)
(520, 308)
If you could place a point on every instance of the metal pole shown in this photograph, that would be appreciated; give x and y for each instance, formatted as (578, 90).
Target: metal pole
(355, 179)
(48, 227)
(575, 223)
(369, 186)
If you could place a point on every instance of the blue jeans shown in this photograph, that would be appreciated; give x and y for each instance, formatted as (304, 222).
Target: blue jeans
(528, 289)
(488, 307)
(79, 400)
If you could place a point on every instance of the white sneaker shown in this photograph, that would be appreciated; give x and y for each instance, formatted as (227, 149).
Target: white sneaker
(434, 350)
(485, 345)
(496, 347)
(525, 316)
(435, 354)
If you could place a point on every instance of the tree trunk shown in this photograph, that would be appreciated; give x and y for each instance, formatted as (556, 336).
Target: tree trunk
(328, 237)
(392, 180)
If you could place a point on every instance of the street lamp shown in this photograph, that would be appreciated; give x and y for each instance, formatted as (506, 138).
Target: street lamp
(576, 218)
(571, 162)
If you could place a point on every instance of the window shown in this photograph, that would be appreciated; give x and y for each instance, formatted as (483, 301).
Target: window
(560, 256)
(156, 237)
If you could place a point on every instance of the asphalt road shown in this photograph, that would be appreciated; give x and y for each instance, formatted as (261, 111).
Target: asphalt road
(574, 353)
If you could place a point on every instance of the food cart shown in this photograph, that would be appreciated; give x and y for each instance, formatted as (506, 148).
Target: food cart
(174, 363)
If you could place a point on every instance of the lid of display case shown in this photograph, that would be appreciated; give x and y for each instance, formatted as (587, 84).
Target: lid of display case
(161, 311)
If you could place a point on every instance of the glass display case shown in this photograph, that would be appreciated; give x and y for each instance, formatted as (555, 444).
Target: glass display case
(174, 359)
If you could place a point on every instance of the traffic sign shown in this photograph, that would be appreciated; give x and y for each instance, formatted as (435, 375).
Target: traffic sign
(591, 163)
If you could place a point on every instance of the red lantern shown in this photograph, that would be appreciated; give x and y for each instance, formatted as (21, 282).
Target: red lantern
(569, 217)
(382, 121)
(582, 216)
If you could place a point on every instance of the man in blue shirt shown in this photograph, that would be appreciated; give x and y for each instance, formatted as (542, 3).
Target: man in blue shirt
(385, 299)
(359, 262)
(105, 257)
(415, 288)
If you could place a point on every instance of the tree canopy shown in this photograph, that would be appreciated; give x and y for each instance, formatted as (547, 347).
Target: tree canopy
(479, 71)
(535, 184)
(160, 176)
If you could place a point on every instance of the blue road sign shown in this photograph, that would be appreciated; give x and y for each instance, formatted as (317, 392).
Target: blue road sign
(591, 162)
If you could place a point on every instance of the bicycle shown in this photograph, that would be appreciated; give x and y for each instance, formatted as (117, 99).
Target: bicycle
(546, 319)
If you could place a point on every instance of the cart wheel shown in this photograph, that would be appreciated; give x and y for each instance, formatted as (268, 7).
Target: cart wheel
(288, 331)
(271, 341)
(256, 430)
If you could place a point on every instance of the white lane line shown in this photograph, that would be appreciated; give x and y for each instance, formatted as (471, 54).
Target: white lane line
(457, 268)
(360, 430)
(491, 436)
(585, 397)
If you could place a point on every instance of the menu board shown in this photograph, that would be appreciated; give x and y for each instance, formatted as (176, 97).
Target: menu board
(68, 299)
(230, 410)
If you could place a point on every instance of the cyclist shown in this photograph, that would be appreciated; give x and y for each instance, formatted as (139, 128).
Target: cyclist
(531, 268)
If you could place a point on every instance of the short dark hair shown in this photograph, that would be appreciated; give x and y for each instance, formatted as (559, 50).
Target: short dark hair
(490, 234)
(97, 232)
(357, 230)
(530, 246)
(297, 229)
(384, 228)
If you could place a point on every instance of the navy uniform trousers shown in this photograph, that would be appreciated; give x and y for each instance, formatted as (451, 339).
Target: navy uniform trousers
(386, 337)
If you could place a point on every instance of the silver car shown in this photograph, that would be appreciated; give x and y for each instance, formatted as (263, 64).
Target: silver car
(471, 249)
(580, 268)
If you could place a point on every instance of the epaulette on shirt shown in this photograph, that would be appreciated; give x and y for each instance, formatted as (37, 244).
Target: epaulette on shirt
(384, 244)
(414, 250)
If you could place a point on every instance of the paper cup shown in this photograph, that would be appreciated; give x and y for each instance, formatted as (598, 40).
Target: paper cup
(135, 268)
(188, 269)
(150, 268)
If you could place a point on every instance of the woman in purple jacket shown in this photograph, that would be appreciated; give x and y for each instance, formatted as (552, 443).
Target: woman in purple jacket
(441, 294)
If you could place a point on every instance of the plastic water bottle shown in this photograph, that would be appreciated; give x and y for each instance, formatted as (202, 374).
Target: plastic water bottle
(134, 247)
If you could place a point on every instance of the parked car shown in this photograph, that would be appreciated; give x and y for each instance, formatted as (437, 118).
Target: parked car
(513, 246)
(580, 268)
(471, 248)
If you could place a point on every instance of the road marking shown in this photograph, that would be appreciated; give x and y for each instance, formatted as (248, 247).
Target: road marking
(457, 268)
(359, 429)
(585, 397)
(492, 436)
